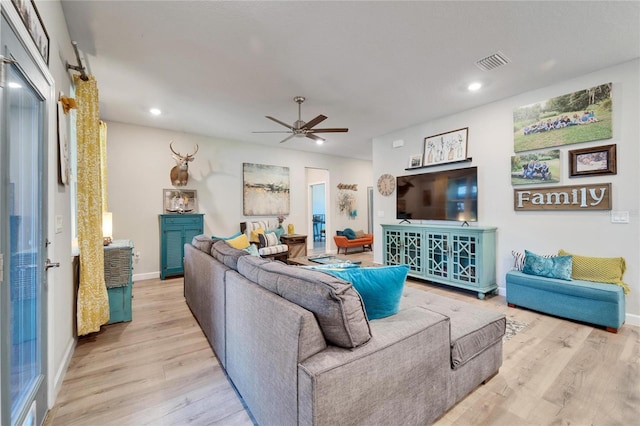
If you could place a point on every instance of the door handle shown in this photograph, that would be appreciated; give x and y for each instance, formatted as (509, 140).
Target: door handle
(51, 264)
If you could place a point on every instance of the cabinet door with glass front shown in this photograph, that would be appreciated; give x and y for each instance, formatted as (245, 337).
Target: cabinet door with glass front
(452, 256)
(404, 247)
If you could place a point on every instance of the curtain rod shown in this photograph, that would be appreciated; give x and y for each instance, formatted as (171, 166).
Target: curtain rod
(80, 67)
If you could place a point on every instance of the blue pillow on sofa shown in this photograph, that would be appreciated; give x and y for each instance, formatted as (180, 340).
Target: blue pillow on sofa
(349, 233)
(559, 267)
(380, 287)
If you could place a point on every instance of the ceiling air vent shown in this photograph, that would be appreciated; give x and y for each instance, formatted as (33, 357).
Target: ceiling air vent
(492, 62)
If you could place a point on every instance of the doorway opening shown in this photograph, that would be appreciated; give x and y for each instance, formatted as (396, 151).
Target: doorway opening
(318, 219)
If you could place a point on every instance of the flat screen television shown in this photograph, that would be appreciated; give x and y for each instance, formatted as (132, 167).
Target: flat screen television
(444, 195)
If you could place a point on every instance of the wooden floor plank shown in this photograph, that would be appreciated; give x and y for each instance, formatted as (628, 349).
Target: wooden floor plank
(160, 370)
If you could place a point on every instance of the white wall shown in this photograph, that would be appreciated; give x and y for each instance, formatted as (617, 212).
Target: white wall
(589, 233)
(139, 161)
(61, 290)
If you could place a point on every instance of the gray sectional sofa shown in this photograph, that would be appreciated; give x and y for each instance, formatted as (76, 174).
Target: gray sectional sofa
(298, 347)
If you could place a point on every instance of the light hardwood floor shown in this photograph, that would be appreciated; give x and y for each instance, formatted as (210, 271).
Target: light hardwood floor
(159, 369)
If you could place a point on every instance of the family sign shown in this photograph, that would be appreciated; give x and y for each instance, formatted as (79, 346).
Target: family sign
(576, 197)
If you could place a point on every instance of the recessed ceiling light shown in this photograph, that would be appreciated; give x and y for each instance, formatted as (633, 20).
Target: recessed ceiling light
(474, 86)
(15, 85)
(319, 141)
(155, 111)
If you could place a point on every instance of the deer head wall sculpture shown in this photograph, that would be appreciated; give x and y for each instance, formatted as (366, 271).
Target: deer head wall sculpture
(180, 172)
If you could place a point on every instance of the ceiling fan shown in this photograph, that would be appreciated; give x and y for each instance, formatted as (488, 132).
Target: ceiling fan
(301, 129)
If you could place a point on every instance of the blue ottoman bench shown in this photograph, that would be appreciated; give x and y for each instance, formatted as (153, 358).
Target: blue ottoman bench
(590, 302)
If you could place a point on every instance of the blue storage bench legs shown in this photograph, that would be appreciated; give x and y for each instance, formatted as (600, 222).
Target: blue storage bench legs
(590, 302)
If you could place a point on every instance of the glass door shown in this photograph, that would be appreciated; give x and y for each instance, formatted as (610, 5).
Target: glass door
(22, 233)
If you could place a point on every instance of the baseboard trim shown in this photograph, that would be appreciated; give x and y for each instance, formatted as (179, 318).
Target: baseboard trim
(56, 384)
(146, 276)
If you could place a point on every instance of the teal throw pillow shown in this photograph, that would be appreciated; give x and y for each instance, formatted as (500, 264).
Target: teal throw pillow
(252, 250)
(277, 231)
(380, 287)
(349, 233)
(559, 267)
(236, 235)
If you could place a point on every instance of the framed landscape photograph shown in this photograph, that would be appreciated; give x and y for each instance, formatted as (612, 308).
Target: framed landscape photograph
(599, 160)
(536, 167)
(448, 147)
(576, 117)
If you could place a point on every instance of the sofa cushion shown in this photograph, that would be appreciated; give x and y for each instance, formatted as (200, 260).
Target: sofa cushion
(230, 237)
(598, 269)
(202, 243)
(268, 239)
(518, 259)
(226, 254)
(254, 235)
(336, 305)
(380, 287)
(240, 242)
(349, 233)
(280, 248)
(551, 267)
(473, 328)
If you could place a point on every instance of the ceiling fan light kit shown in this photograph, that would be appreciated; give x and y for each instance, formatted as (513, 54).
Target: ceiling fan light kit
(302, 129)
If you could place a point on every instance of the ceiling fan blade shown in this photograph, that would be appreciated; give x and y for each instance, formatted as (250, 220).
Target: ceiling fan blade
(334, 130)
(280, 122)
(273, 131)
(319, 119)
(287, 138)
(314, 137)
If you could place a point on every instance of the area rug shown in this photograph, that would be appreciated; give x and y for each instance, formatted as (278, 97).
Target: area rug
(513, 328)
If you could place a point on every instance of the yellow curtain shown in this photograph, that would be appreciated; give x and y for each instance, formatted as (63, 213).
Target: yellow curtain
(93, 300)
(103, 165)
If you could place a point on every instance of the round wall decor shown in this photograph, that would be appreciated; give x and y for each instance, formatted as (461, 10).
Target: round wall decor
(386, 184)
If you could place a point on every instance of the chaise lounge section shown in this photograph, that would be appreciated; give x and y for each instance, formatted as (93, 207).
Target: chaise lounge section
(299, 349)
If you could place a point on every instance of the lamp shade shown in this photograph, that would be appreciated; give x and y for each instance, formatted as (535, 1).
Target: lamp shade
(107, 225)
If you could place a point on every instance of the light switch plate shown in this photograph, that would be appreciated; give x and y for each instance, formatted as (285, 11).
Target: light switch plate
(58, 224)
(619, 217)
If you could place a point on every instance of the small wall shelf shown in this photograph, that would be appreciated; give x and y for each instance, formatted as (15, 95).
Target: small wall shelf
(466, 160)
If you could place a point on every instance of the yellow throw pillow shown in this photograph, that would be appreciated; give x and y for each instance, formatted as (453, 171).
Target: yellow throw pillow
(241, 242)
(598, 269)
(254, 235)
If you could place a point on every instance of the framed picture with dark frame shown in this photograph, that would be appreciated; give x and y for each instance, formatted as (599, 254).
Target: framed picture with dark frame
(449, 147)
(33, 22)
(598, 160)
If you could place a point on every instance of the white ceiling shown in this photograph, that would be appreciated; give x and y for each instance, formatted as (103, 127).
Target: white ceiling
(217, 68)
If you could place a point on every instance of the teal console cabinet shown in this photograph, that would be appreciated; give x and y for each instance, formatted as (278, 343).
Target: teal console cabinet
(463, 257)
(175, 231)
(118, 277)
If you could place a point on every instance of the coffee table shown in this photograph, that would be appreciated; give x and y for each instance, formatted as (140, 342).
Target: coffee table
(304, 261)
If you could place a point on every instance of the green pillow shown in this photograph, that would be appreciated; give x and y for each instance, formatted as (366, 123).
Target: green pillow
(551, 267)
(598, 269)
(380, 287)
